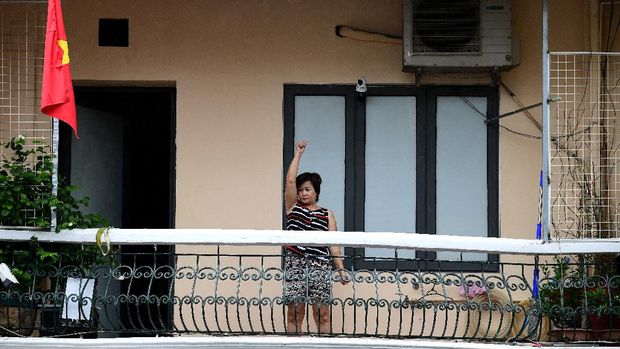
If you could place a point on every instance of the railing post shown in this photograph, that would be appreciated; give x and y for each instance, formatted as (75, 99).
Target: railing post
(546, 134)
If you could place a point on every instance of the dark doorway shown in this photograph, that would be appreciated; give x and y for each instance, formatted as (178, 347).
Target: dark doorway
(125, 162)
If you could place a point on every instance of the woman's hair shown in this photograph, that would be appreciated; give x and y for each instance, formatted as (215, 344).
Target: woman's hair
(314, 179)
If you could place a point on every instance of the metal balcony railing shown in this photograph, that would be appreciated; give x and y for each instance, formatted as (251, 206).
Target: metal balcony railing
(165, 290)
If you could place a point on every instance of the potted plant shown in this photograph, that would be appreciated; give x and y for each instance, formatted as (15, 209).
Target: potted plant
(559, 293)
(602, 309)
(581, 299)
(19, 304)
(26, 201)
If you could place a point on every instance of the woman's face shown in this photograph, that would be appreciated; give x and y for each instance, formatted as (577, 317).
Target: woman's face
(306, 193)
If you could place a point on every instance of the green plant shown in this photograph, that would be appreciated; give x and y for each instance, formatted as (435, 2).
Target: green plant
(26, 199)
(559, 292)
(24, 184)
(578, 291)
(600, 303)
(597, 301)
(25, 259)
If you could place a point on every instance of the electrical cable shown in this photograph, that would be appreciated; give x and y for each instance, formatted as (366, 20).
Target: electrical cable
(522, 134)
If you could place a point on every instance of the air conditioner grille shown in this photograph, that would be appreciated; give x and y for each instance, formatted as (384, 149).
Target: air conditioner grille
(446, 26)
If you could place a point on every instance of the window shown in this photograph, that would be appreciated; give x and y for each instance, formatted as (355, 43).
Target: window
(402, 159)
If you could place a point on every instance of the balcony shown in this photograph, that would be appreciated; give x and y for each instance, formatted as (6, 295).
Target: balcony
(228, 289)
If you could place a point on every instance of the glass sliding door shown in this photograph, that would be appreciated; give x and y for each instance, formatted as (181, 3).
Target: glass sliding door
(320, 120)
(390, 165)
(462, 196)
(408, 159)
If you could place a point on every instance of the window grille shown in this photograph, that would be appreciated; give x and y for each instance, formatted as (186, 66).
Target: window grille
(22, 41)
(585, 181)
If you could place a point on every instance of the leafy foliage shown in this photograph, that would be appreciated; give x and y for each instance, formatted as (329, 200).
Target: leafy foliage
(26, 200)
(26, 197)
(560, 292)
(601, 303)
(571, 290)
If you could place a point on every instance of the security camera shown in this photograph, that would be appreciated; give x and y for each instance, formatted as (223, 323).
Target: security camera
(361, 87)
(6, 276)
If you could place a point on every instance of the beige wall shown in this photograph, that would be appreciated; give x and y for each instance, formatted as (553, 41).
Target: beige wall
(229, 60)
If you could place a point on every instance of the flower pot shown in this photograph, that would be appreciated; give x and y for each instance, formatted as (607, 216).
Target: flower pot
(17, 316)
(599, 322)
(573, 335)
(603, 322)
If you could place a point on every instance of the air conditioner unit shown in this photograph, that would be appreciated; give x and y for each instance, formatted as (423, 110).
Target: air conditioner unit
(456, 35)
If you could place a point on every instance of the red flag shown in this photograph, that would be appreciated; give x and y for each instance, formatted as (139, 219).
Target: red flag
(57, 98)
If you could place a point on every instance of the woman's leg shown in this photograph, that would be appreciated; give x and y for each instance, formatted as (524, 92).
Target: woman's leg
(295, 291)
(320, 292)
(294, 317)
(321, 314)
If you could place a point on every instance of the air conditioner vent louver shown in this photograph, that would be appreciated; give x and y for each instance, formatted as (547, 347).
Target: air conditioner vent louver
(452, 35)
(446, 26)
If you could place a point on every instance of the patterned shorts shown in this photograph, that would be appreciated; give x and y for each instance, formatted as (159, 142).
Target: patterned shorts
(306, 279)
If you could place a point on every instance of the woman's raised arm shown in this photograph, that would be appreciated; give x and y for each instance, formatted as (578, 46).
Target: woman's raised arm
(290, 187)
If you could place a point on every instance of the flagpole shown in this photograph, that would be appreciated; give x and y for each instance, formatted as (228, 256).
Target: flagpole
(55, 141)
(57, 98)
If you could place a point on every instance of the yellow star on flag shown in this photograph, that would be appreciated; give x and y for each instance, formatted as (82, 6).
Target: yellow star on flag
(64, 46)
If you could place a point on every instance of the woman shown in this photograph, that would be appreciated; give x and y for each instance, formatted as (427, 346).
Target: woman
(301, 194)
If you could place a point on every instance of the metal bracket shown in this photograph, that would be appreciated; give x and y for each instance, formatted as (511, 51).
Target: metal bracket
(418, 76)
(495, 77)
(549, 101)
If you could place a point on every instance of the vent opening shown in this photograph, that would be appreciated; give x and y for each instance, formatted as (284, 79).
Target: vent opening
(114, 32)
(446, 26)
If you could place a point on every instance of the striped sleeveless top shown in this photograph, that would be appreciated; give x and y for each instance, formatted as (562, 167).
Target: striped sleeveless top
(301, 218)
